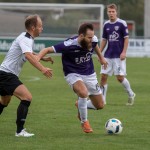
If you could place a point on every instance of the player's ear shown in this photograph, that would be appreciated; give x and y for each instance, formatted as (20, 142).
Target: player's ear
(81, 36)
(33, 28)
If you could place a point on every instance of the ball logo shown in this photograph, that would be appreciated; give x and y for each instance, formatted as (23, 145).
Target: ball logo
(113, 126)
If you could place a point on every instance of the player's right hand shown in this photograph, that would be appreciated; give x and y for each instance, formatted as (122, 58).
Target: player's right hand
(47, 72)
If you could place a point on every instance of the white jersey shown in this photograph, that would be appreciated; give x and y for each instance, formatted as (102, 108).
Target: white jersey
(15, 57)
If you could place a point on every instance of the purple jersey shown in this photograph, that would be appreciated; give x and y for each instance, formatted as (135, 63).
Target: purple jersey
(75, 59)
(114, 33)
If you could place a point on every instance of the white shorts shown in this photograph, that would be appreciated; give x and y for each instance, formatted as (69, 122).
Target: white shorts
(115, 66)
(89, 80)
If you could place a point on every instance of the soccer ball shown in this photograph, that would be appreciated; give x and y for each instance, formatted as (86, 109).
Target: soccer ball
(113, 126)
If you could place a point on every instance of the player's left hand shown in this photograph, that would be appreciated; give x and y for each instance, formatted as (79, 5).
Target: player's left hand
(123, 56)
(48, 59)
(103, 62)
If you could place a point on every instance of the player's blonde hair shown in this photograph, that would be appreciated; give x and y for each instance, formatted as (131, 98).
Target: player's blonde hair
(31, 21)
(112, 6)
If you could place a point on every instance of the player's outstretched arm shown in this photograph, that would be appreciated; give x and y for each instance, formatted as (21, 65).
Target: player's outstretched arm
(48, 58)
(45, 51)
(33, 60)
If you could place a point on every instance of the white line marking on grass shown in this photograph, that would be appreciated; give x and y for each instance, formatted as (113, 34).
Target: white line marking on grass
(32, 78)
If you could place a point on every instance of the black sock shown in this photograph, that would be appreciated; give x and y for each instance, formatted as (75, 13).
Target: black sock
(22, 112)
(2, 107)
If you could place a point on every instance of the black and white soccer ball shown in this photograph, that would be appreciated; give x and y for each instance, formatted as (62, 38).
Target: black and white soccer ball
(113, 126)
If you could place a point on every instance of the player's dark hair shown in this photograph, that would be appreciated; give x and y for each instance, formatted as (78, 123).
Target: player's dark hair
(31, 21)
(84, 27)
(112, 6)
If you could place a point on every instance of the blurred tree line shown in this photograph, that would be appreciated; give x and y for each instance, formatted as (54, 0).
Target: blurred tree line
(128, 9)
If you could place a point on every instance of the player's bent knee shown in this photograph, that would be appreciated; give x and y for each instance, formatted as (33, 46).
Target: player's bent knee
(100, 106)
(5, 102)
(120, 79)
(29, 98)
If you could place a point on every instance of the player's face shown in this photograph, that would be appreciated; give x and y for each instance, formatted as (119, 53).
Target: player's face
(39, 28)
(86, 41)
(112, 14)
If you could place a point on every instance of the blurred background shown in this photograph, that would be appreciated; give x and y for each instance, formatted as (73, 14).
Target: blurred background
(61, 19)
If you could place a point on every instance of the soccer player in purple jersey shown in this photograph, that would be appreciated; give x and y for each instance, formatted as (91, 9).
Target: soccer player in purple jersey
(115, 35)
(79, 70)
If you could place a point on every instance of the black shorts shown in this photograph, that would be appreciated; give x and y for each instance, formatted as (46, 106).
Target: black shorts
(8, 83)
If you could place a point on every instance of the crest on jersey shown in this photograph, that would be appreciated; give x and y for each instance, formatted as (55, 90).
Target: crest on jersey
(116, 28)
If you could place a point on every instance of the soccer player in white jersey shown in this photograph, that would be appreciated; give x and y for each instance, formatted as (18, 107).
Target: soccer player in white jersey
(19, 52)
(115, 35)
(79, 70)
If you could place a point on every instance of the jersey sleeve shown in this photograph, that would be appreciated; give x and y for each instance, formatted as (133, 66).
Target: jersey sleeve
(95, 41)
(26, 45)
(125, 29)
(63, 47)
(104, 35)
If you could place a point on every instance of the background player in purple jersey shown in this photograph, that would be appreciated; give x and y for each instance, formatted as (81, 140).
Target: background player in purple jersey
(115, 34)
(79, 70)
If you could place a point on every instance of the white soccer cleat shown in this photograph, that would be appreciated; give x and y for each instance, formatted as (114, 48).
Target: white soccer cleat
(131, 100)
(24, 133)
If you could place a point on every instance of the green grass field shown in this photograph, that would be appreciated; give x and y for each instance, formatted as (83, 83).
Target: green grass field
(53, 116)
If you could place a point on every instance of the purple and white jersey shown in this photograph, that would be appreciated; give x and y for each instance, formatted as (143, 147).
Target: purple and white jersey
(75, 59)
(114, 33)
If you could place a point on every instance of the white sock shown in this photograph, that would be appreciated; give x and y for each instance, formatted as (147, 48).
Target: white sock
(104, 91)
(90, 105)
(127, 87)
(82, 106)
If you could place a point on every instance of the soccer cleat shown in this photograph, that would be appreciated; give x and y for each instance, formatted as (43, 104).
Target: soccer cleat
(131, 100)
(76, 104)
(86, 127)
(24, 133)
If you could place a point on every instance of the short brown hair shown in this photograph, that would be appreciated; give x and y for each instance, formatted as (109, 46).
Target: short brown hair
(84, 27)
(31, 21)
(112, 6)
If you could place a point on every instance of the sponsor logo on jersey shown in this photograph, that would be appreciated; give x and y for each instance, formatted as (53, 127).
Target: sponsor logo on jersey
(114, 36)
(79, 60)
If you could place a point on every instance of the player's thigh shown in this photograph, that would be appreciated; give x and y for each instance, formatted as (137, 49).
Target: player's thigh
(77, 84)
(80, 89)
(92, 84)
(119, 67)
(22, 93)
(5, 100)
(109, 69)
(97, 101)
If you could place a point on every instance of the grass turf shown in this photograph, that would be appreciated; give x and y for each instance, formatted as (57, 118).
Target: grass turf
(53, 116)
